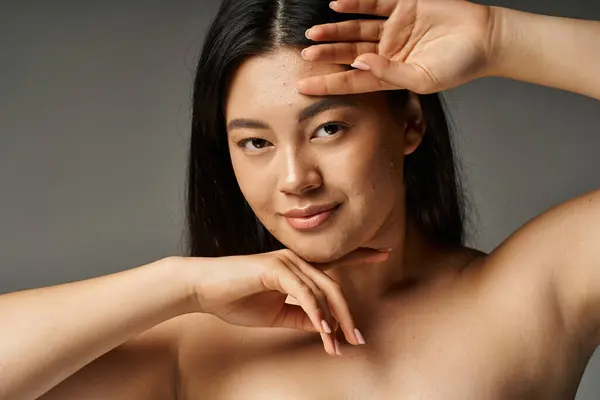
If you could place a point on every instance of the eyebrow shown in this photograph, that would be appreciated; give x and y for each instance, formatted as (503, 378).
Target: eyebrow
(310, 111)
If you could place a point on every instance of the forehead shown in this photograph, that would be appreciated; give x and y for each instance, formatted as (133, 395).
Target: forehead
(270, 80)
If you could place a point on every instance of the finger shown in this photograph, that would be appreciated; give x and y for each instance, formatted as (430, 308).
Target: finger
(294, 317)
(338, 53)
(409, 76)
(347, 82)
(383, 8)
(328, 339)
(297, 288)
(285, 281)
(368, 30)
(335, 296)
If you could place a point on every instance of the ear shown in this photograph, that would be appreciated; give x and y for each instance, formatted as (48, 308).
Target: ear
(414, 124)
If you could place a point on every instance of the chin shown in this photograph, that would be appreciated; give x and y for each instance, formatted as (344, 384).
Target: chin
(317, 258)
(317, 250)
(330, 244)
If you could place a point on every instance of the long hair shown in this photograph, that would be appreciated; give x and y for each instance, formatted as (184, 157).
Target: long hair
(219, 221)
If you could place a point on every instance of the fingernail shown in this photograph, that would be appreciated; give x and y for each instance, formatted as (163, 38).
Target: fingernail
(360, 65)
(337, 347)
(307, 33)
(359, 336)
(303, 54)
(333, 4)
(325, 325)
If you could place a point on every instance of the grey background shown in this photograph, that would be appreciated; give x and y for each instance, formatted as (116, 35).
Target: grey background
(94, 124)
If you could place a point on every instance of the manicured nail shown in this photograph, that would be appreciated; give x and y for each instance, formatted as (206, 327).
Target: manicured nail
(337, 347)
(359, 336)
(307, 33)
(360, 65)
(333, 4)
(303, 54)
(325, 325)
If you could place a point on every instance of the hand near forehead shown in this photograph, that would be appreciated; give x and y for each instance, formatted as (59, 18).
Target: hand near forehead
(424, 46)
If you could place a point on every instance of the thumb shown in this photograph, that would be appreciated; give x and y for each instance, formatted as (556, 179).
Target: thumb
(396, 73)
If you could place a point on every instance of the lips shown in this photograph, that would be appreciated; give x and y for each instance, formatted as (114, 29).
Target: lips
(309, 211)
(310, 217)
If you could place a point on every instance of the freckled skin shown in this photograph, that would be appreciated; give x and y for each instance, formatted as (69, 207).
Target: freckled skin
(360, 167)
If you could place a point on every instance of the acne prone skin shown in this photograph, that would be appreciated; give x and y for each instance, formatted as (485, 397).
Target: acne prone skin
(349, 154)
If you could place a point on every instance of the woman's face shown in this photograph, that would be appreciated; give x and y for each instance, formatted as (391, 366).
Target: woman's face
(340, 155)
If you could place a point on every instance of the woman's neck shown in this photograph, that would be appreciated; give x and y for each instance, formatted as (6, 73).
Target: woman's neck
(412, 261)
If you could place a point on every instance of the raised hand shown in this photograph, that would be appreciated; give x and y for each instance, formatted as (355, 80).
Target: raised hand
(424, 46)
(251, 291)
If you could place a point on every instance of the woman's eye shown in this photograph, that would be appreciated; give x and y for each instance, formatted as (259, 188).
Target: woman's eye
(253, 144)
(329, 129)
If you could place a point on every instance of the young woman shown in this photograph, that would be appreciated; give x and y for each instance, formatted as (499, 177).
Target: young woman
(324, 198)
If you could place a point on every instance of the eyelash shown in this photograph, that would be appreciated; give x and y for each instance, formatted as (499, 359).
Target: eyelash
(340, 124)
(343, 126)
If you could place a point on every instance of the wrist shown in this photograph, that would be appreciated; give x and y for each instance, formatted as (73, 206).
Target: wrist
(183, 276)
(503, 39)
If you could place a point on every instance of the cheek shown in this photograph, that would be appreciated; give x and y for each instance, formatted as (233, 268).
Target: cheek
(388, 162)
(374, 184)
(257, 195)
(370, 166)
(256, 189)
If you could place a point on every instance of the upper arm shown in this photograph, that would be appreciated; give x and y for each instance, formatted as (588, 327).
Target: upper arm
(145, 367)
(557, 255)
(577, 277)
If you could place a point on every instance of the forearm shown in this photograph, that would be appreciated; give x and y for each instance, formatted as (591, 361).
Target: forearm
(562, 53)
(49, 333)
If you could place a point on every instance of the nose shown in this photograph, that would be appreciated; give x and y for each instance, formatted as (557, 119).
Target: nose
(299, 174)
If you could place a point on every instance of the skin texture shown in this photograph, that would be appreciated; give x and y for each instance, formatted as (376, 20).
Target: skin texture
(356, 161)
(358, 164)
